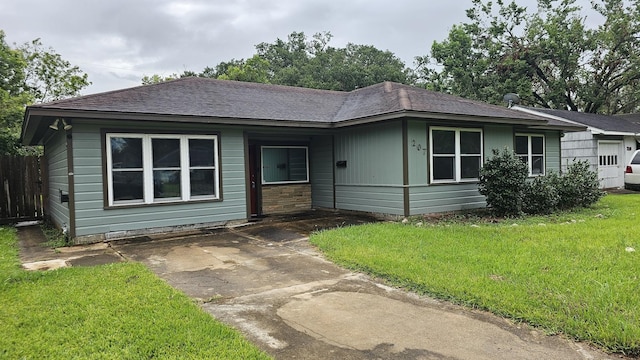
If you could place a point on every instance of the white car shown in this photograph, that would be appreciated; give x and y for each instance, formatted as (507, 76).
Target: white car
(632, 173)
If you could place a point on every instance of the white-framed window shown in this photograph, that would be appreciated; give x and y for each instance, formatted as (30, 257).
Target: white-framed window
(456, 154)
(284, 164)
(530, 149)
(158, 168)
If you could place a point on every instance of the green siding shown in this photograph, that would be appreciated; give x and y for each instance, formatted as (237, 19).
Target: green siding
(377, 199)
(552, 151)
(55, 151)
(417, 146)
(92, 218)
(372, 180)
(321, 171)
(497, 137)
(442, 198)
(373, 155)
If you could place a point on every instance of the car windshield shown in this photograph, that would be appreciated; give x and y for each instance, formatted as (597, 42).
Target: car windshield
(636, 158)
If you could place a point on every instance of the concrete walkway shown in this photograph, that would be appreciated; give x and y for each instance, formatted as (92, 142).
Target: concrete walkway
(267, 281)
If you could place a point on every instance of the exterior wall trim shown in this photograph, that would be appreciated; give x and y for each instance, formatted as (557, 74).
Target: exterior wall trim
(71, 191)
(405, 167)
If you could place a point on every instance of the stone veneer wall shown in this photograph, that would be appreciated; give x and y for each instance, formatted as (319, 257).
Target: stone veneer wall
(278, 199)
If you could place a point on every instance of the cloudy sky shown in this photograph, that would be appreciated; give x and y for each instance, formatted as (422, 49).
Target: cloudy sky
(117, 42)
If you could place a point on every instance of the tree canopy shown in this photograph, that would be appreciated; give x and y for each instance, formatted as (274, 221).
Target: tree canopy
(31, 73)
(309, 62)
(548, 56)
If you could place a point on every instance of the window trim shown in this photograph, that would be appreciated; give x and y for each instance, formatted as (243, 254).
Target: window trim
(457, 156)
(530, 152)
(147, 169)
(262, 180)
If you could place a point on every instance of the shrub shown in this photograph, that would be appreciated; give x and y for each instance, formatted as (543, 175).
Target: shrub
(578, 186)
(502, 181)
(541, 194)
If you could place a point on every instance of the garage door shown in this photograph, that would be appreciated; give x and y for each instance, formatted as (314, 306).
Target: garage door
(610, 164)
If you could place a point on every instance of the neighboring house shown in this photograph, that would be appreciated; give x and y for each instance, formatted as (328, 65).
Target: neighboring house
(608, 143)
(199, 152)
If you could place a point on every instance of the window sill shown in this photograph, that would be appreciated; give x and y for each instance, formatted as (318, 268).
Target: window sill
(286, 183)
(452, 182)
(162, 203)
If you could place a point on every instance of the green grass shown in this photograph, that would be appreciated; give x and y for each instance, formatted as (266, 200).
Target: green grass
(118, 311)
(55, 237)
(568, 273)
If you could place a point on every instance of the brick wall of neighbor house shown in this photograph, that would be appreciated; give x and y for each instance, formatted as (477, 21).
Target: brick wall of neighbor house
(278, 199)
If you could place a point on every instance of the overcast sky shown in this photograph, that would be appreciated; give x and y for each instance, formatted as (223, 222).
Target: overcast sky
(117, 42)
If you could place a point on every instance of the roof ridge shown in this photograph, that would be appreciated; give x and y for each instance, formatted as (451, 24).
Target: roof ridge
(405, 101)
(259, 84)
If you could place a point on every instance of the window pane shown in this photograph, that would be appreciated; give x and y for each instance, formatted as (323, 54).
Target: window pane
(524, 159)
(537, 166)
(201, 153)
(470, 167)
(284, 164)
(297, 164)
(166, 153)
(443, 168)
(166, 183)
(127, 185)
(537, 145)
(444, 141)
(522, 145)
(202, 182)
(469, 142)
(126, 153)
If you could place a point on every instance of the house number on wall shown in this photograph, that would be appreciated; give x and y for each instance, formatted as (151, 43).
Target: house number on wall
(418, 146)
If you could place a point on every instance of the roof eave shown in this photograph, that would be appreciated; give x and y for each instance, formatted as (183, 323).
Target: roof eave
(35, 115)
(437, 116)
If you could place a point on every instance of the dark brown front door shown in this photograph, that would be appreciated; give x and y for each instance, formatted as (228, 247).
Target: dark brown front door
(253, 179)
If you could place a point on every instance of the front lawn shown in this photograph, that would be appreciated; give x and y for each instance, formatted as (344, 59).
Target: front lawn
(574, 273)
(119, 311)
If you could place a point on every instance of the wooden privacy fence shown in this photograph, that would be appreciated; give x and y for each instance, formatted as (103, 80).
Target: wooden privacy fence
(21, 196)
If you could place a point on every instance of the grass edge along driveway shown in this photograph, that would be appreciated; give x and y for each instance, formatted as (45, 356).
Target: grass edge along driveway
(112, 311)
(574, 273)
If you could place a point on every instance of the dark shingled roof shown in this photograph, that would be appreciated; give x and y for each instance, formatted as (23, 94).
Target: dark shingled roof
(241, 100)
(634, 118)
(205, 100)
(599, 121)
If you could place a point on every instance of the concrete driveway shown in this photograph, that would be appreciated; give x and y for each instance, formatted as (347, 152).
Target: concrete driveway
(266, 280)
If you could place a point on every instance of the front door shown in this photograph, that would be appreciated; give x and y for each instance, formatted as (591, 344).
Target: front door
(610, 164)
(254, 177)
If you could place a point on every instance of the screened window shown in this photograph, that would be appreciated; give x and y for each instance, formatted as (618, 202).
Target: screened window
(530, 149)
(456, 154)
(148, 168)
(285, 164)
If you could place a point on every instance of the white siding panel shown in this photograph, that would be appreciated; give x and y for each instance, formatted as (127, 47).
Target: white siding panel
(579, 146)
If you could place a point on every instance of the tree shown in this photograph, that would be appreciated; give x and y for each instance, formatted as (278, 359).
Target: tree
(549, 57)
(254, 69)
(48, 76)
(155, 78)
(312, 63)
(30, 73)
(615, 81)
